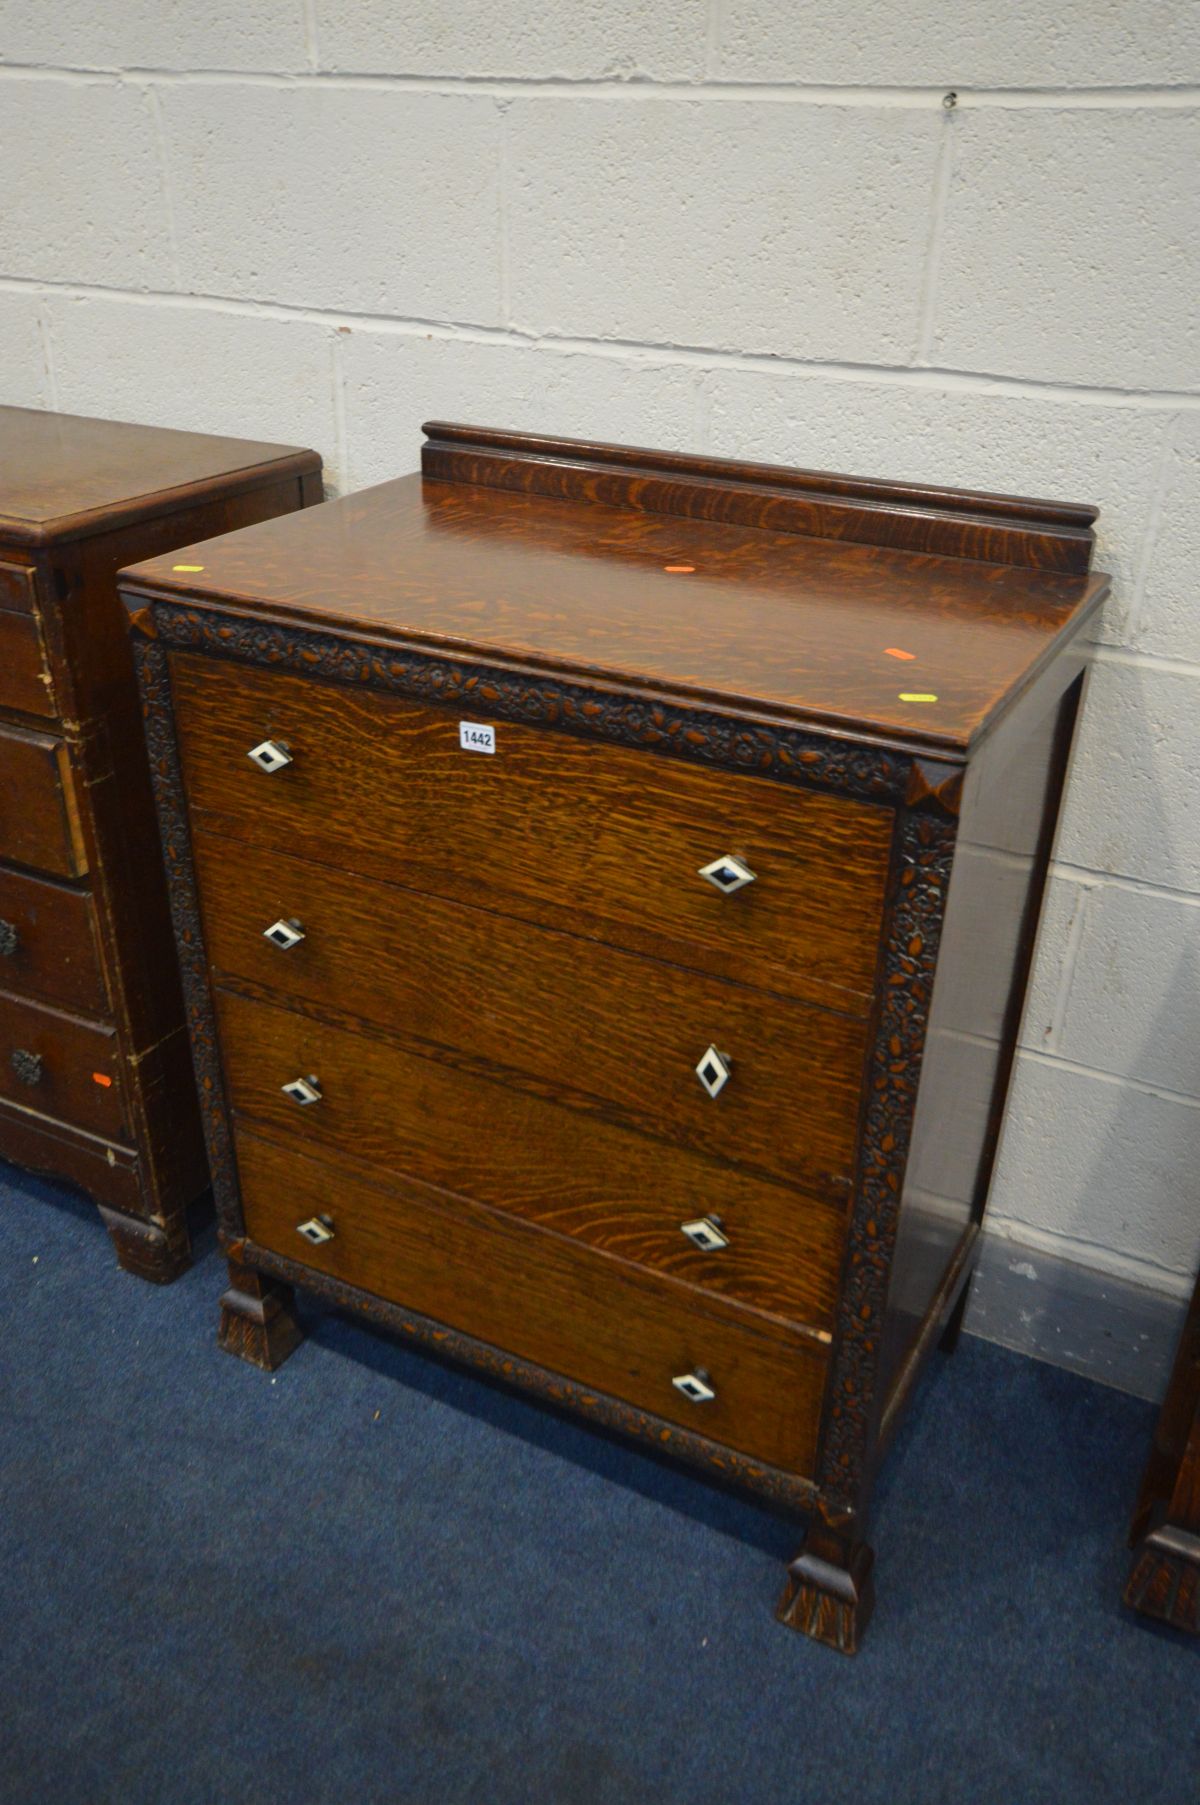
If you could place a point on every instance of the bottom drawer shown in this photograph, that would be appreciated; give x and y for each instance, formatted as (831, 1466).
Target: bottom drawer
(61, 1067)
(532, 1294)
(109, 1174)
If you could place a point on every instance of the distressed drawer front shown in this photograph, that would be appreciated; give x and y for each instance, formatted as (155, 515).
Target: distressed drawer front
(606, 1031)
(551, 828)
(61, 1067)
(17, 587)
(48, 943)
(601, 1185)
(543, 1299)
(39, 823)
(24, 673)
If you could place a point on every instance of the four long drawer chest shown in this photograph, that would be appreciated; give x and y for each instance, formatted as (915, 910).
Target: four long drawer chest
(605, 883)
(95, 1078)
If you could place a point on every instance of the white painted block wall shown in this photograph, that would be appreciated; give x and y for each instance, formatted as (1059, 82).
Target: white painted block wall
(740, 226)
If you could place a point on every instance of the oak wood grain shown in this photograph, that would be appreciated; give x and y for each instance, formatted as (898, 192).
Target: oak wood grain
(608, 1032)
(747, 617)
(544, 1299)
(546, 825)
(475, 1135)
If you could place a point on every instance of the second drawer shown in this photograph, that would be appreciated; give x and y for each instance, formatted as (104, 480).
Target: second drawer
(39, 819)
(24, 673)
(61, 1067)
(578, 1175)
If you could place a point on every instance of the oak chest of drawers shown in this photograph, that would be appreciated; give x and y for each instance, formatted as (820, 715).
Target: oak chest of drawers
(605, 883)
(95, 1078)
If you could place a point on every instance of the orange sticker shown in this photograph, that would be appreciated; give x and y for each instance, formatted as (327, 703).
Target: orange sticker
(187, 567)
(683, 569)
(912, 695)
(102, 1078)
(895, 652)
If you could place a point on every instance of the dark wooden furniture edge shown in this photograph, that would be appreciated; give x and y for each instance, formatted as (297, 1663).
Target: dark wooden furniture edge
(146, 1250)
(66, 527)
(957, 523)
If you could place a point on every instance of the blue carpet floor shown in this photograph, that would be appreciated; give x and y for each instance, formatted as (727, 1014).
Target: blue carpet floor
(373, 1579)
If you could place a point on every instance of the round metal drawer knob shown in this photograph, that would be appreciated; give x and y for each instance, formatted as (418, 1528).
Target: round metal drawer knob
(26, 1065)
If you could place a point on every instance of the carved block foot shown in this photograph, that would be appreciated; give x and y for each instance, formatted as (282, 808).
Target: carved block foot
(830, 1592)
(1165, 1581)
(258, 1320)
(146, 1250)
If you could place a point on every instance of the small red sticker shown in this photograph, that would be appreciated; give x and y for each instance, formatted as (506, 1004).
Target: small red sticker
(895, 652)
(681, 569)
(102, 1078)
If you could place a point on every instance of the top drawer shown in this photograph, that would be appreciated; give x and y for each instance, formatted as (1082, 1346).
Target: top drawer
(24, 673)
(16, 587)
(553, 829)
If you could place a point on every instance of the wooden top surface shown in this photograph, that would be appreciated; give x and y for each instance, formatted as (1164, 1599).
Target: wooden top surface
(64, 475)
(752, 618)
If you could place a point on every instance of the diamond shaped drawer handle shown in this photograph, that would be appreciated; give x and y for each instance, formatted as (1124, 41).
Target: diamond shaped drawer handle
(302, 1090)
(714, 1071)
(695, 1386)
(284, 934)
(705, 1233)
(728, 874)
(316, 1230)
(270, 755)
